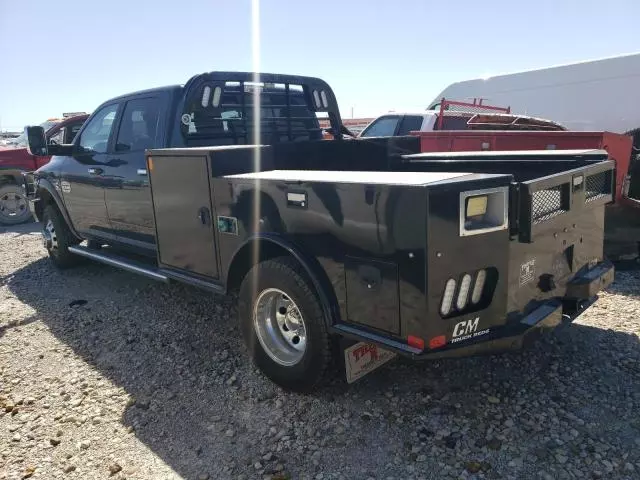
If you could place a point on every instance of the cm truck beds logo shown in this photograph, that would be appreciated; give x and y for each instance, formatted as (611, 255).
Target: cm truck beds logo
(467, 329)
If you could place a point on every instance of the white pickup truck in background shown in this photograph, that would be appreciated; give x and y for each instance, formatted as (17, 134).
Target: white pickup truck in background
(454, 115)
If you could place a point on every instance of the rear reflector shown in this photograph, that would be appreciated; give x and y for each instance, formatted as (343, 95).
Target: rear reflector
(479, 286)
(415, 342)
(463, 294)
(437, 342)
(447, 298)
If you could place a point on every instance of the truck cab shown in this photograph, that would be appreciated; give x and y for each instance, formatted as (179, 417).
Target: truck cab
(100, 181)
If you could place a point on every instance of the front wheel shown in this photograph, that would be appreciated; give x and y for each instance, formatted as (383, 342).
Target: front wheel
(58, 238)
(13, 205)
(283, 324)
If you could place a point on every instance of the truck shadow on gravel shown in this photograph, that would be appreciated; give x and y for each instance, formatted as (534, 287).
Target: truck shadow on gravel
(202, 408)
(21, 229)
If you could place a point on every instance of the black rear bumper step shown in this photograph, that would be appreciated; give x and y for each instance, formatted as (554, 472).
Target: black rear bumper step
(121, 262)
(591, 282)
(514, 336)
(363, 335)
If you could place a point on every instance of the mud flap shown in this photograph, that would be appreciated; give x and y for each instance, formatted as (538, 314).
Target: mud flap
(363, 358)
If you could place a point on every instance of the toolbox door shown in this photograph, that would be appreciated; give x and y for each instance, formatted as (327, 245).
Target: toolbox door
(183, 214)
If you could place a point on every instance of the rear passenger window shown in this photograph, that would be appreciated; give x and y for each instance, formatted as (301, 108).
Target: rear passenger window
(138, 125)
(410, 123)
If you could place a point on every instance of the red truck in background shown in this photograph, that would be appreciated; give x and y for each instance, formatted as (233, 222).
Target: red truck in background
(15, 159)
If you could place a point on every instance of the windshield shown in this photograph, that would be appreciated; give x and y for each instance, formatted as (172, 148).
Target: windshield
(21, 140)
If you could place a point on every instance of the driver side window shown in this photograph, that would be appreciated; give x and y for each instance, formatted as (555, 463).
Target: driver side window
(95, 138)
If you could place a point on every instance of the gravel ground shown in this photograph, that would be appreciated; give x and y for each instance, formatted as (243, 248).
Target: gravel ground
(106, 375)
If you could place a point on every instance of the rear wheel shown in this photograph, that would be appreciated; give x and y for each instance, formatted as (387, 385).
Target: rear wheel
(13, 205)
(58, 238)
(283, 324)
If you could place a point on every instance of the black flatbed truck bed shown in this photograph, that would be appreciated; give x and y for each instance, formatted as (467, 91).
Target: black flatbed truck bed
(378, 248)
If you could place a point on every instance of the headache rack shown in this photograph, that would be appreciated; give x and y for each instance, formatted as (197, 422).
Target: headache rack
(221, 107)
(450, 107)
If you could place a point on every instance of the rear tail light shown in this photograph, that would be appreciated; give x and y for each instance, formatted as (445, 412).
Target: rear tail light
(447, 298)
(478, 287)
(437, 342)
(469, 292)
(415, 342)
(463, 293)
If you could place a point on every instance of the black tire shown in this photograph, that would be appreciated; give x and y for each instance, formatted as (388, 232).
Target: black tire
(285, 274)
(14, 209)
(59, 249)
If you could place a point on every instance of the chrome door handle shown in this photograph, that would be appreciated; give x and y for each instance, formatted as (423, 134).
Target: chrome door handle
(142, 171)
(95, 171)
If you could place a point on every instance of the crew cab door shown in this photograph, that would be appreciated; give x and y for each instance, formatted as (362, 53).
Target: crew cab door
(127, 194)
(82, 174)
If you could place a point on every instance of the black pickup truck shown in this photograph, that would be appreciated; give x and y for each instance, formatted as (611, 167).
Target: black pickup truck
(227, 184)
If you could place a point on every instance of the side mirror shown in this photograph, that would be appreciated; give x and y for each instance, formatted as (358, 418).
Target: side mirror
(36, 141)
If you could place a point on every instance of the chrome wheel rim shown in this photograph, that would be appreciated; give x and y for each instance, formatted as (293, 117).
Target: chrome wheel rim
(13, 204)
(279, 327)
(49, 236)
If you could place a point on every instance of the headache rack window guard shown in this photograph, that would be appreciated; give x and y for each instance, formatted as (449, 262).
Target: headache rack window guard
(544, 201)
(220, 106)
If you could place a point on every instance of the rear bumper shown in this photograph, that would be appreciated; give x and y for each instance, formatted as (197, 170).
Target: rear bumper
(516, 334)
(581, 294)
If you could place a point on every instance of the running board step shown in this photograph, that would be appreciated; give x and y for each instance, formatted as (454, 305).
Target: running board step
(120, 262)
